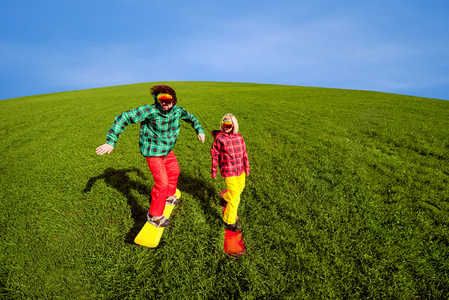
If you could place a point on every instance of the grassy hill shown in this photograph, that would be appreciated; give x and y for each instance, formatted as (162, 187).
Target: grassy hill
(347, 197)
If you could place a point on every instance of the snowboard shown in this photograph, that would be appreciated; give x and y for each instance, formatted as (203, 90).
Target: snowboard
(150, 235)
(233, 241)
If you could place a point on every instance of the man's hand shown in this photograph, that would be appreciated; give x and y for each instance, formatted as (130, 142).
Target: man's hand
(202, 137)
(105, 148)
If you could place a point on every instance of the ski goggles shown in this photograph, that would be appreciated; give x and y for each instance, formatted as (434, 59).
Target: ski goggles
(164, 98)
(226, 125)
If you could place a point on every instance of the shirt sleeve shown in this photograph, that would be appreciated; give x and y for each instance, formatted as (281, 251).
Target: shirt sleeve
(189, 118)
(129, 117)
(245, 158)
(215, 153)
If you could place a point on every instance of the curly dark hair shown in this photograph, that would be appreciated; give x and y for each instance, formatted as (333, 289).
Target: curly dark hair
(165, 89)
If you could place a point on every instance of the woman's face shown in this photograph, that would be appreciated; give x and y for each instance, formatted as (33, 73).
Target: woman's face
(227, 125)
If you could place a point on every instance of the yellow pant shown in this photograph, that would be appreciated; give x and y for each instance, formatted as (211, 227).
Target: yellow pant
(235, 186)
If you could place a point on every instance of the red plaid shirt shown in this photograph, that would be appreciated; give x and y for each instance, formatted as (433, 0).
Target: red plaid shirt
(229, 151)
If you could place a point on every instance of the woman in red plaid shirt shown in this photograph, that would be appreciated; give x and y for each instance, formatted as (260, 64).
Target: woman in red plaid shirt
(229, 152)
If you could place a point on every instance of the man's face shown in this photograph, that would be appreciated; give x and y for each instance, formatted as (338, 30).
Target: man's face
(166, 101)
(166, 106)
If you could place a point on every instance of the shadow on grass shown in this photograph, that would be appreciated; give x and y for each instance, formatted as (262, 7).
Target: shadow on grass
(120, 180)
(202, 191)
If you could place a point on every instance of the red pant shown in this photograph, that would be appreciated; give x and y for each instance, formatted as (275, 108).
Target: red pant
(165, 170)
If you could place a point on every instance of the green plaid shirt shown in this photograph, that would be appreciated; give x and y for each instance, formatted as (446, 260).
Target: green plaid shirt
(159, 130)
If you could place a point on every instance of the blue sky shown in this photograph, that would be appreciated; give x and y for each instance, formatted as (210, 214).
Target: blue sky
(388, 46)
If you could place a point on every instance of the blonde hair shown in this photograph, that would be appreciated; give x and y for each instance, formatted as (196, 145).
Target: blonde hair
(235, 128)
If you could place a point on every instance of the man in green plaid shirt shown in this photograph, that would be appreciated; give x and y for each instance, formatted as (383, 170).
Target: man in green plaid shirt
(159, 130)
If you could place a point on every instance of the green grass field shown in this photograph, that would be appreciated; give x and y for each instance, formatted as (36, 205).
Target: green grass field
(347, 198)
